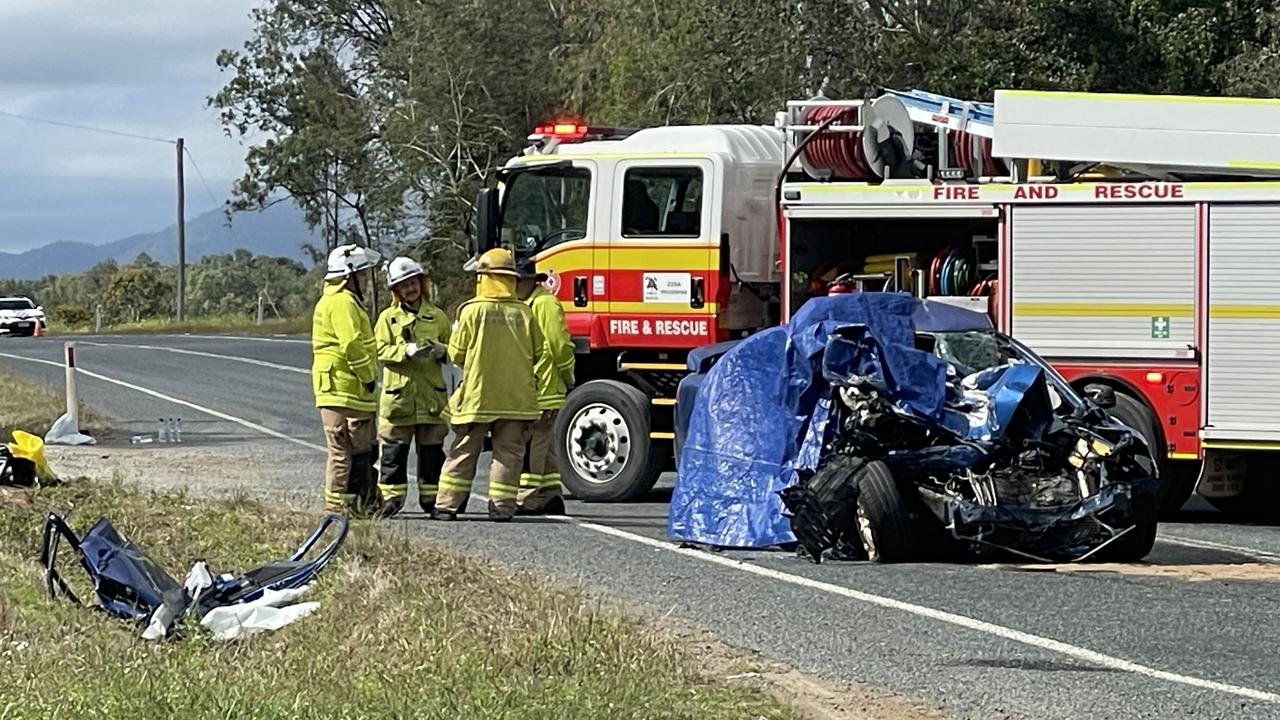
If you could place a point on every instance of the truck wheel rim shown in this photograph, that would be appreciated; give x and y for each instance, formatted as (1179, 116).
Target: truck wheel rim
(599, 443)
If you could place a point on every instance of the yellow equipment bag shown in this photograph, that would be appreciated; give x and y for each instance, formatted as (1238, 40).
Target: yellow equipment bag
(30, 448)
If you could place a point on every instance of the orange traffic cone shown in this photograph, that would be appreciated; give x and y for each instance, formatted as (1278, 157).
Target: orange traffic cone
(39, 330)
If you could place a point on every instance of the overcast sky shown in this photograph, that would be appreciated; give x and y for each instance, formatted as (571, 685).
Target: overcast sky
(137, 66)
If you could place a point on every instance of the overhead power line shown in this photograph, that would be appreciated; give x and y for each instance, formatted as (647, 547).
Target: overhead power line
(196, 166)
(88, 128)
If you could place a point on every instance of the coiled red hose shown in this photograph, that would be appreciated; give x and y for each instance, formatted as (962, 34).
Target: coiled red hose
(839, 152)
(962, 154)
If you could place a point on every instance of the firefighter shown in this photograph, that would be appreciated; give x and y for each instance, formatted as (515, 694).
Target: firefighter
(497, 343)
(343, 376)
(412, 336)
(540, 480)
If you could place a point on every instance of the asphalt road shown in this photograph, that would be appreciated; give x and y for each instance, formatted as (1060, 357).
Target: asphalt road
(978, 642)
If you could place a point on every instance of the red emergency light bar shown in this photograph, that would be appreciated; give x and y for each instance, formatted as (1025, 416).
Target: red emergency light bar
(571, 131)
(561, 130)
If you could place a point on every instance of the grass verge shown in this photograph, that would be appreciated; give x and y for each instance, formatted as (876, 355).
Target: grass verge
(218, 325)
(24, 405)
(404, 630)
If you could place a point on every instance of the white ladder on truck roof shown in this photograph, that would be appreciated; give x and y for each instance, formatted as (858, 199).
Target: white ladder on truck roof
(1158, 135)
(928, 108)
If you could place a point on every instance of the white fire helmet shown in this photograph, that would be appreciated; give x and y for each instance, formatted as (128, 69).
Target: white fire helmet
(350, 259)
(401, 269)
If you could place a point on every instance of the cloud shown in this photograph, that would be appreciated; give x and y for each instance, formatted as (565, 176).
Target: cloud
(141, 66)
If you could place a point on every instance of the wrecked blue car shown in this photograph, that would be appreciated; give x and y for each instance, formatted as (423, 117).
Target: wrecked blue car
(885, 427)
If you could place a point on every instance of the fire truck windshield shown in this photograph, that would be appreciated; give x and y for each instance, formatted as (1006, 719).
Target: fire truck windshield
(546, 206)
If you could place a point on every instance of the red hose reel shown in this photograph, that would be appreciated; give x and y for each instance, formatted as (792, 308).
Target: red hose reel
(839, 152)
(856, 154)
(973, 153)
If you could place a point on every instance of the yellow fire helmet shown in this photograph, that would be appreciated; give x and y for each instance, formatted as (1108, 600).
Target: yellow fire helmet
(498, 261)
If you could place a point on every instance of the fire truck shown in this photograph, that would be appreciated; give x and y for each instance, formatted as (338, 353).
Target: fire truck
(1132, 240)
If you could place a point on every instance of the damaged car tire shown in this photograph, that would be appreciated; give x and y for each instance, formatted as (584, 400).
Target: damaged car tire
(886, 522)
(1137, 543)
(1176, 482)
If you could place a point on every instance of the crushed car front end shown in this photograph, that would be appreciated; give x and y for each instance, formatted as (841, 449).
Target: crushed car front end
(1012, 461)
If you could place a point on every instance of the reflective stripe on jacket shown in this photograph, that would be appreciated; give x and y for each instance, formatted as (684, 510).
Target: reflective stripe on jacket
(343, 354)
(555, 367)
(413, 390)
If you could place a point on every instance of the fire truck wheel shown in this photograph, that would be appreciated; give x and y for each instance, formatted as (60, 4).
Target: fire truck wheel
(1174, 485)
(607, 454)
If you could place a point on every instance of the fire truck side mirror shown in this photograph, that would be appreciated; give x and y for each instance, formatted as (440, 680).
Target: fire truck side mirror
(486, 221)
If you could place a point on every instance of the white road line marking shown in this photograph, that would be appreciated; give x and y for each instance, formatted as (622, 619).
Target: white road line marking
(1037, 641)
(1261, 555)
(1025, 638)
(201, 353)
(253, 338)
(178, 401)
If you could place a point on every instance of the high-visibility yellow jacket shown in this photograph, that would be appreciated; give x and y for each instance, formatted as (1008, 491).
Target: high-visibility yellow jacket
(496, 342)
(343, 352)
(413, 390)
(555, 367)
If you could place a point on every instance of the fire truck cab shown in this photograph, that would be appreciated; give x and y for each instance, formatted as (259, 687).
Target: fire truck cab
(1131, 240)
(656, 241)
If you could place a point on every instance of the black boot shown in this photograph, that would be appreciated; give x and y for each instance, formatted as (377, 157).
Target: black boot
(430, 461)
(497, 515)
(395, 475)
(362, 485)
(554, 506)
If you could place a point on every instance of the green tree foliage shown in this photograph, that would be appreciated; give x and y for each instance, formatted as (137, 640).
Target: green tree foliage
(217, 285)
(383, 117)
(141, 289)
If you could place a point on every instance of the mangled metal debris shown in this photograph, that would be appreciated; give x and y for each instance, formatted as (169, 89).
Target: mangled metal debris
(132, 586)
(1015, 462)
(888, 427)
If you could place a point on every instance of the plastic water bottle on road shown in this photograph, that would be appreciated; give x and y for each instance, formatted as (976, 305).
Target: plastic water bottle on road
(162, 431)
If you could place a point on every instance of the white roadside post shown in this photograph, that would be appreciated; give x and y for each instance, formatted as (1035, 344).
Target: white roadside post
(66, 429)
(73, 396)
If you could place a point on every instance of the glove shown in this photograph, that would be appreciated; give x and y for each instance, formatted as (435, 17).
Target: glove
(412, 349)
(438, 350)
(371, 386)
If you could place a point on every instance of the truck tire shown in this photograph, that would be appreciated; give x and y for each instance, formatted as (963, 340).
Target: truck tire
(886, 523)
(606, 454)
(1176, 483)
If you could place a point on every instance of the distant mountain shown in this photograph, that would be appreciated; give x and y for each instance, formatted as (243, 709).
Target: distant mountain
(278, 230)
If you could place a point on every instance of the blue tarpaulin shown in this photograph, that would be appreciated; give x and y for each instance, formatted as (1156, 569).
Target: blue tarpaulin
(753, 409)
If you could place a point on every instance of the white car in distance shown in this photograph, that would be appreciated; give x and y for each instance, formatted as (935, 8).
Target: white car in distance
(20, 316)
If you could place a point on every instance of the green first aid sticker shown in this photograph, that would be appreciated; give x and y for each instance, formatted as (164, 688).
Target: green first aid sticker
(1160, 327)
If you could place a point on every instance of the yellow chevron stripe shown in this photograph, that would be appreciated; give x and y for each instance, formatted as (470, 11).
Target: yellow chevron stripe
(1240, 445)
(1135, 97)
(652, 366)
(1245, 312)
(652, 257)
(1102, 309)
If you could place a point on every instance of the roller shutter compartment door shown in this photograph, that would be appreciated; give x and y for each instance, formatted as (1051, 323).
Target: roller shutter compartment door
(1105, 282)
(1244, 322)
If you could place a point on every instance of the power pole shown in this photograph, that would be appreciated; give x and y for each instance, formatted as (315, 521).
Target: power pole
(182, 236)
